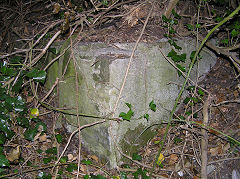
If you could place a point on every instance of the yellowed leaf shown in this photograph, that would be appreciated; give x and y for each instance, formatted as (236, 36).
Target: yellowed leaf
(160, 159)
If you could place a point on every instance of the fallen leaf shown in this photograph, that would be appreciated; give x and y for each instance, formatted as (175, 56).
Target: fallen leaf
(94, 157)
(173, 159)
(160, 159)
(14, 154)
(43, 138)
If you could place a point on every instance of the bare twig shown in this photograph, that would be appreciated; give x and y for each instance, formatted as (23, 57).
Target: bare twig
(204, 140)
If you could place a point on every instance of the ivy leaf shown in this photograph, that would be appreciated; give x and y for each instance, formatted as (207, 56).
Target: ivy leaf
(152, 106)
(29, 134)
(22, 121)
(47, 160)
(165, 19)
(4, 161)
(15, 60)
(37, 75)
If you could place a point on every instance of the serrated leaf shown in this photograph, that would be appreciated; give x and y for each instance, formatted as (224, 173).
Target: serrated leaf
(137, 157)
(152, 106)
(4, 161)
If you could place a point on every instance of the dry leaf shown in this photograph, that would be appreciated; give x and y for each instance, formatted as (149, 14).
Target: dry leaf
(56, 8)
(216, 150)
(94, 157)
(173, 159)
(29, 99)
(14, 154)
(43, 138)
(70, 157)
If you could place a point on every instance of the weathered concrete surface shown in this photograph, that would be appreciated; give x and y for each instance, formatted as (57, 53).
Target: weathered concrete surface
(101, 69)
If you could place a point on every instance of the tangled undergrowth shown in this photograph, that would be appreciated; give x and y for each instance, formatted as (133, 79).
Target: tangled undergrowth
(193, 143)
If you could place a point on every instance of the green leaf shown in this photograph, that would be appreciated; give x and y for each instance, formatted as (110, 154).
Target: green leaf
(23, 122)
(234, 33)
(177, 140)
(219, 19)
(18, 85)
(15, 60)
(146, 116)
(4, 161)
(123, 175)
(64, 159)
(198, 26)
(104, 2)
(137, 157)
(129, 105)
(2, 139)
(189, 27)
(71, 167)
(29, 134)
(225, 41)
(86, 162)
(5, 126)
(37, 75)
(152, 106)
(201, 92)
(171, 30)
(86, 177)
(59, 138)
(186, 100)
(181, 68)
(52, 150)
(165, 19)
(47, 160)
(177, 16)
(53, 50)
